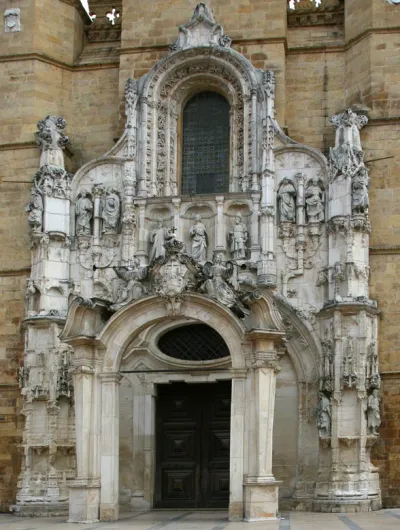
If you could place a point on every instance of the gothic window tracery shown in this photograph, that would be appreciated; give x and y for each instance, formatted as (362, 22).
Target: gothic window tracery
(205, 144)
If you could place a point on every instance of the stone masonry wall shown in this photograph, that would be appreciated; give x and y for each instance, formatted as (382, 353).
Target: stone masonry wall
(320, 70)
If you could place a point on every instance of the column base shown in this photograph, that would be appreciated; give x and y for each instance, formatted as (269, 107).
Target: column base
(260, 499)
(236, 511)
(109, 512)
(84, 499)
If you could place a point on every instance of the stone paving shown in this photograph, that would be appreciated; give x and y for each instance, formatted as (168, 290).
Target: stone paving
(215, 520)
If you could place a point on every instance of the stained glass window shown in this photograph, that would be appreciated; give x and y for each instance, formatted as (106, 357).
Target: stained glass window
(205, 145)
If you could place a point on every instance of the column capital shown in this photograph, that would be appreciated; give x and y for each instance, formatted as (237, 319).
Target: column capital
(112, 377)
(268, 359)
(82, 369)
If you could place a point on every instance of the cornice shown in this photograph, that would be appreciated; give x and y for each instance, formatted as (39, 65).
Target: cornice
(384, 250)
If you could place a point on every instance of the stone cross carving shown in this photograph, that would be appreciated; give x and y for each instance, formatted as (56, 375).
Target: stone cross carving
(198, 233)
(113, 15)
(12, 20)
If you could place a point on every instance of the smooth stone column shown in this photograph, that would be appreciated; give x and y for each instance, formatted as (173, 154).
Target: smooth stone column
(84, 490)
(109, 493)
(261, 489)
(237, 447)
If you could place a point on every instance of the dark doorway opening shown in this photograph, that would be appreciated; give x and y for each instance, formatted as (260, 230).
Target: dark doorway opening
(193, 445)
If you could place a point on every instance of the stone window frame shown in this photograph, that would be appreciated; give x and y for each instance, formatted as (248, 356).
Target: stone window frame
(168, 86)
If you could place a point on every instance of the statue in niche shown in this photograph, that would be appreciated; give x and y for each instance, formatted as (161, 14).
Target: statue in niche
(84, 214)
(286, 201)
(359, 191)
(373, 414)
(314, 195)
(133, 288)
(111, 212)
(198, 233)
(324, 415)
(159, 236)
(35, 209)
(237, 238)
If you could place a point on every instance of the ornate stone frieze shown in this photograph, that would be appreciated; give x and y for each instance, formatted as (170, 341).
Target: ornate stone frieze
(324, 415)
(51, 140)
(53, 181)
(133, 287)
(201, 30)
(349, 372)
(326, 377)
(12, 20)
(373, 413)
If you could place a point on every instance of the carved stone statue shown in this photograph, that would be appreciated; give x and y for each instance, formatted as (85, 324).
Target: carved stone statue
(134, 288)
(35, 209)
(216, 285)
(111, 212)
(373, 414)
(359, 191)
(324, 415)
(83, 214)
(314, 195)
(237, 238)
(286, 201)
(198, 233)
(158, 237)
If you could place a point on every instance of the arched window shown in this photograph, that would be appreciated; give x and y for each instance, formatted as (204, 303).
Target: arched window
(195, 342)
(205, 144)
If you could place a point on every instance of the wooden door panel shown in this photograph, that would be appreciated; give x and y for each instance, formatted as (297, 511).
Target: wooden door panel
(193, 446)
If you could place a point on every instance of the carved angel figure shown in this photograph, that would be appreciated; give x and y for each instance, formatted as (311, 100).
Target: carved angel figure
(134, 288)
(158, 237)
(111, 212)
(359, 189)
(84, 214)
(324, 415)
(237, 238)
(198, 233)
(286, 201)
(373, 414)
(315, 200)
(35, 209)
(216, 286)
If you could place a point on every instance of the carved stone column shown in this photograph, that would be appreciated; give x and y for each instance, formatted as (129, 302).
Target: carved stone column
(260, 486)
(220, 238)
(84, 491)
(109, 506)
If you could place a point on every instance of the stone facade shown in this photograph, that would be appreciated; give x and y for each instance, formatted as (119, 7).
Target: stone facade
(298, 250)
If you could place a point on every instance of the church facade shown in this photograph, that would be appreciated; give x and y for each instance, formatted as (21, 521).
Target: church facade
(199, 330)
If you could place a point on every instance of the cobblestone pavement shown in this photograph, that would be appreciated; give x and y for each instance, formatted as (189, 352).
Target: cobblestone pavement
(214, 520)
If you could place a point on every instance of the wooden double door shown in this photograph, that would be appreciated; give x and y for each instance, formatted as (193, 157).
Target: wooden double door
(193, 445)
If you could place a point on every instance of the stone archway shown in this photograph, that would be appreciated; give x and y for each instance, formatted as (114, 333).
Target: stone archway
(100, 343)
